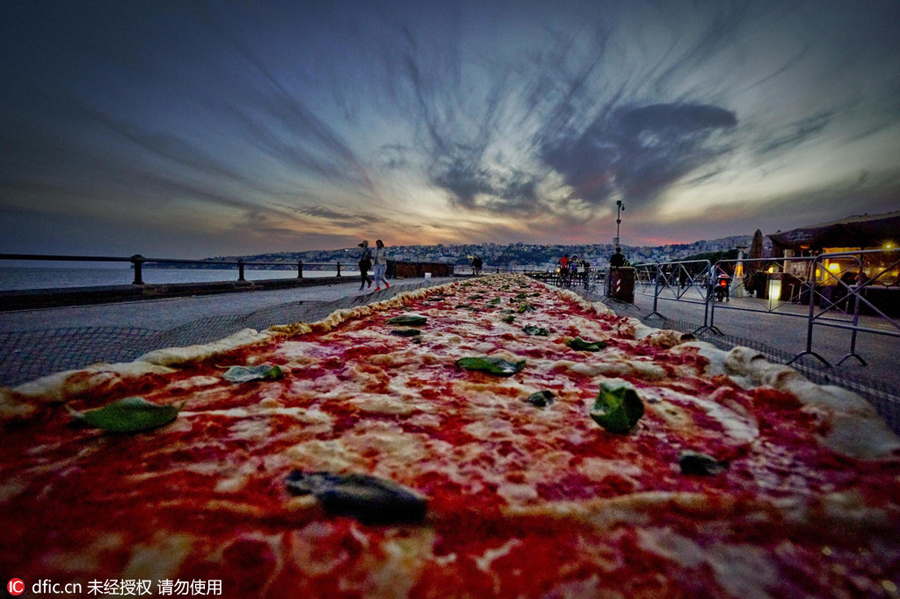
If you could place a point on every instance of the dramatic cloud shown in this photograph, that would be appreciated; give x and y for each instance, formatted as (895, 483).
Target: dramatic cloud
(636, 152)
(252, 126)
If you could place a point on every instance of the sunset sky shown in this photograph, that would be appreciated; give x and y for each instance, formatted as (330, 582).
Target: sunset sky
(196, 129)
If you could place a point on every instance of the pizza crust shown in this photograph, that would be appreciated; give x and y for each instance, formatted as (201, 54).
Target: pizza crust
(855, 428)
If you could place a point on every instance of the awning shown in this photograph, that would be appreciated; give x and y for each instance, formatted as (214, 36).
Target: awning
(866, 231)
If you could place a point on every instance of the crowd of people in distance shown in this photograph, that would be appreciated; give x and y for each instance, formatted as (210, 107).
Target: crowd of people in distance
(571, 270)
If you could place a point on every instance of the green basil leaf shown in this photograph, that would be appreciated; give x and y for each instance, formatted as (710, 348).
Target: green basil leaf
(525, 307)
(581, 345)
(408, 320)
(465, 307)
(617, 407)
(494, 301)
(492, 365)
(129, 415)
(541, 399)
(406, 332)
(700, 464)
(509, 319)
(246, 374)
(537, 331)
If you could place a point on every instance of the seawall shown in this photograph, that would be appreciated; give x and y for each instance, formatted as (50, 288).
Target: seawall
(31, 299)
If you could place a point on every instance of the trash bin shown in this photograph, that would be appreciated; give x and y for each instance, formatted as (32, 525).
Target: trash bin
(621, 284)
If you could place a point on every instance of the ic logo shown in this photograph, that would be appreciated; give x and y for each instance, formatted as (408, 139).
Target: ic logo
(15, 586)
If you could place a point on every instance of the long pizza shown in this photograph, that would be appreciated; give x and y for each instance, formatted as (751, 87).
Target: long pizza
(488, 438)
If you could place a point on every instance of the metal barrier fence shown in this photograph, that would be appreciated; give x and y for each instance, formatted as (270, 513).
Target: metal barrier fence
(587, 280)
(837, 288)
(765, 286)
(855, 291)
(831, 290)
(686, 281)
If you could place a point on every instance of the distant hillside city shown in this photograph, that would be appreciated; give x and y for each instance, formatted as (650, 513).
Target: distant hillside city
(512, 256)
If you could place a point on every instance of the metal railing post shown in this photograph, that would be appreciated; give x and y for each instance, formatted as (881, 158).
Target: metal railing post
(856, 294)
(656, 293)
(709, 313)
(300, 269)
(240, 270)
(339, 269)
(137, 260)
(810, 322)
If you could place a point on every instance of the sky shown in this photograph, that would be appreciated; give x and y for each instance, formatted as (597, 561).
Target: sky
(191, 129)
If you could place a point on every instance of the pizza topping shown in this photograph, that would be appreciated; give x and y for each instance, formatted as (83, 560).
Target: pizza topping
(541, 399)
(129, 415)
(408, 320)
(492, 365)
(618, 407)
(580, 344)
(246, 374)
(692, 462)
(406, 332)
(509, 319)
(369, 499)
(536, 331)
(525, 307)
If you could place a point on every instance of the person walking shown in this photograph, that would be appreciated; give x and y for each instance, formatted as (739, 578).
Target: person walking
(574, 263)
(476, 265)
(380, 265)
(563, 270)
(365, 263)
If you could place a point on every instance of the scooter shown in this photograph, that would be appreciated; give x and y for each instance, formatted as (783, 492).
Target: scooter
(723, 282)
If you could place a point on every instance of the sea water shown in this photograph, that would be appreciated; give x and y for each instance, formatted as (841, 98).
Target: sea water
(36, 277)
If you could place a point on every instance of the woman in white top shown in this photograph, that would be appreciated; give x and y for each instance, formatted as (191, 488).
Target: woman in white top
(380, 265)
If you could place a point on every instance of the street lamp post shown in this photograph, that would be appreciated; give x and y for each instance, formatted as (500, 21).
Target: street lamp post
(619, 209)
